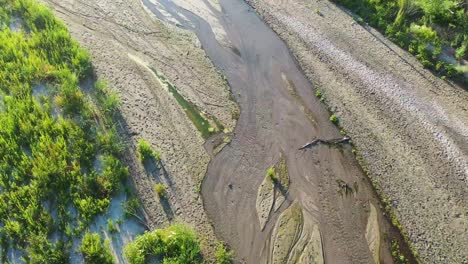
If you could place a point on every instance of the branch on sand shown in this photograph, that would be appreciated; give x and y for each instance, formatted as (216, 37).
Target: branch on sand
(325, 141)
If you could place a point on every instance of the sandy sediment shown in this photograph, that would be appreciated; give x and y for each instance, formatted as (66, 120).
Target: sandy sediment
(373, 234)
(122, 37)
(410, 127)
(272, 191)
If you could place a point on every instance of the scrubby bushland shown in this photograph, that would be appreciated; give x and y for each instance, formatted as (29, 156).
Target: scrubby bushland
(59, 162)
(424, 27)
(176, 244)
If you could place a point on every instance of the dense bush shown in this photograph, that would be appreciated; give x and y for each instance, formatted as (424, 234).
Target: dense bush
(424, 27)
(176, 244)
(95, 251)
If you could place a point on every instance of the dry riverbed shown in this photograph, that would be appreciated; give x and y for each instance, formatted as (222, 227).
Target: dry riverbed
(410, 127)
(273, 202)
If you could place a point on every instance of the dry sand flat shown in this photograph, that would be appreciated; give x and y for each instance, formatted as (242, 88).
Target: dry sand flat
(411, 127)
(124, 39)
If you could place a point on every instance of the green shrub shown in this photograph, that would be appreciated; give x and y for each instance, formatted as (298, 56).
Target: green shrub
(145, 151)
(223, 255)
(95, 251)
(460, 52)
(131, 207)
(334, 119)
(160, 190)
(318, 94)
(175, 244)
(112, 227)
(423, 33)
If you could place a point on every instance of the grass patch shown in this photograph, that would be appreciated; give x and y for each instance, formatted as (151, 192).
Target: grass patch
(50, 145)
(175, 244)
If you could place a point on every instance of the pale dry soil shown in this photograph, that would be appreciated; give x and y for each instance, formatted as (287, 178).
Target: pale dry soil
(410, 127)
(125, 40)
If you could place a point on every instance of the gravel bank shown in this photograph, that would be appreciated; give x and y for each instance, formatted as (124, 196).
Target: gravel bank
(410, 127)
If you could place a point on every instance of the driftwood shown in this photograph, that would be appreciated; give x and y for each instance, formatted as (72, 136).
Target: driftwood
(325, 141)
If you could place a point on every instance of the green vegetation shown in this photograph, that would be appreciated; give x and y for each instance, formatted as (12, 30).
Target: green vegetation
(334, 119)
(160, 190)
(271, 174)
(146, 152)
(397, 255)
(423, 27)
(131, 207)
(59, 151)
(95, 251)
(109, 100)
(223, 255)
(112, 227)
(318, 94)
(198, 118)
(175, 244)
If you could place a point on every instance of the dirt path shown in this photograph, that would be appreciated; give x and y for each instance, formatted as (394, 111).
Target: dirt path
(279, 114)
(410, 126)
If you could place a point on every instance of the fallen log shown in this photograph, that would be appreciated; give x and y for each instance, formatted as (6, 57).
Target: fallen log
(325, 141)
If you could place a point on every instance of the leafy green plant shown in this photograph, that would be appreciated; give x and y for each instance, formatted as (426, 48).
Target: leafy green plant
(397, 255)
(334, 119)
(95, 251)
(223, 255)
(318, 94)
(271, 174)
(112, 227)
(174, 244)
(160, 190)
(146, 152)
(131, 207)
